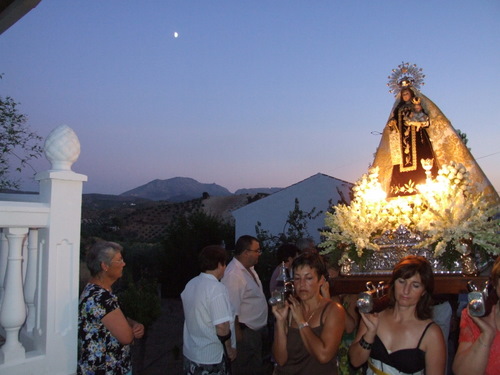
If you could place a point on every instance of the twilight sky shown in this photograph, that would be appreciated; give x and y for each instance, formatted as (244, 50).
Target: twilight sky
(251, 93)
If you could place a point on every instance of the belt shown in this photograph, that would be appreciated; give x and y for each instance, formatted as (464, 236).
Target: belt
(376, 370)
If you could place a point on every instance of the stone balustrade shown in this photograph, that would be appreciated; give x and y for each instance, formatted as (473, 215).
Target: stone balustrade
(39, 266)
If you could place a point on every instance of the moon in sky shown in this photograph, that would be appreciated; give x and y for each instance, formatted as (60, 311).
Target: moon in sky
(176, 34)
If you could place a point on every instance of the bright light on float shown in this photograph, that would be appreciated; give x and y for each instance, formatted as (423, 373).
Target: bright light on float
(374, 194)
(433, 187)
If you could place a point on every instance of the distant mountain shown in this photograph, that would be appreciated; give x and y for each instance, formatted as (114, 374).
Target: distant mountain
(258, 190)
(177, 189)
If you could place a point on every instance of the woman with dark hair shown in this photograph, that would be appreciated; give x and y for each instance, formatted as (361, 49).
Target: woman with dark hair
(402, 339)
(308, 327)
(479, 341)
(104, 333)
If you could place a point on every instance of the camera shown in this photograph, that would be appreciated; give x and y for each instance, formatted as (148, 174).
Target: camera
(480, 302)
(279, 296)
(374, 299)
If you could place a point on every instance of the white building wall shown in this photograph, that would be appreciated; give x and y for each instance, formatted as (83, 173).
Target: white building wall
(272, 211)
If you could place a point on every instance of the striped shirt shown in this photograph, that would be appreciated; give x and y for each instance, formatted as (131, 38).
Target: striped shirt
(206, 303)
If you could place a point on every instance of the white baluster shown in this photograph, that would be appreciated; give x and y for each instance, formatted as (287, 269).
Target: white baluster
(25, 261)
(4, 251)
(13, 312)
(31, 279)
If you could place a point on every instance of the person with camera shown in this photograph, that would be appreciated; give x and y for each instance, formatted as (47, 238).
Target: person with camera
(402, 339)
(308, 327)
(479, 341)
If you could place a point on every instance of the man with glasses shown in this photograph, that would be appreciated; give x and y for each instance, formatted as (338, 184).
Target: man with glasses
(250, 306)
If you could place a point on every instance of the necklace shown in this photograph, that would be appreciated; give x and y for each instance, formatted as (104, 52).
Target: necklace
(312, 314)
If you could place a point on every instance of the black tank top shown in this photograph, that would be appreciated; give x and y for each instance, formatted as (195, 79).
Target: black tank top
(404, 360)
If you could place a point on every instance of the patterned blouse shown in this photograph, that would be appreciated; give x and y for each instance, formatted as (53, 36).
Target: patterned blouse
(99, 352)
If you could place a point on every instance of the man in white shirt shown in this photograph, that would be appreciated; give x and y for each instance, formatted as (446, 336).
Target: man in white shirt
(249, 304)
(209, 318)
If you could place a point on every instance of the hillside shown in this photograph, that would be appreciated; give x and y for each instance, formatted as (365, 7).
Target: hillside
(137, 219)
(144, 213)
(177, 189)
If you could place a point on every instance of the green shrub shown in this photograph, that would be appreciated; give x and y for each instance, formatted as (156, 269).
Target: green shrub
(140, 301)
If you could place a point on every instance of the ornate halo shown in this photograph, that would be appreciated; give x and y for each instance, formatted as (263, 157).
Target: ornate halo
(405, 75)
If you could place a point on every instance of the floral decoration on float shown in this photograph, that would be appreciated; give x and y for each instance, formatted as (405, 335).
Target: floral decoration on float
(446, 217)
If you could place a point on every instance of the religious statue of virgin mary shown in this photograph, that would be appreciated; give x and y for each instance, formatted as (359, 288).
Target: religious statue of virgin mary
(418, 140)
(424, 195)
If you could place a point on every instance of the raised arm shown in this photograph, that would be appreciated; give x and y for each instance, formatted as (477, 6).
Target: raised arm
(471, 357)
(352, 315)
(360, 349)
(279, 347)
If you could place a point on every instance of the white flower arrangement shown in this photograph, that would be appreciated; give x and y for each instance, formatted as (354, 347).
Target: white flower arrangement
(445, 212)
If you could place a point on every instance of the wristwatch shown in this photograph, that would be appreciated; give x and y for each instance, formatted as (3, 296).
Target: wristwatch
(302, 325)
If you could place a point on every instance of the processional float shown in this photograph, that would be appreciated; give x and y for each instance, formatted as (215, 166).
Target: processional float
(424, 195)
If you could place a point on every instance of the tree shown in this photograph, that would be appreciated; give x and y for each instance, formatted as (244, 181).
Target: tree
(186, 236)
(295, 228)
(18, 144)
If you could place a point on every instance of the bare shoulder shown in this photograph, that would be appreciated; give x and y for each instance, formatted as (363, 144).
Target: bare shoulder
(333, 316)
(434, 330)
(433, 336)
(334, 309)
(386, 315)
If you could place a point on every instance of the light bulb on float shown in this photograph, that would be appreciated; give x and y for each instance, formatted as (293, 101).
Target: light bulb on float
(374, 194)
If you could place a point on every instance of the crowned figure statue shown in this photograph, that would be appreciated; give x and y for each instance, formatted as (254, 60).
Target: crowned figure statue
(418, 140)
(424, 195)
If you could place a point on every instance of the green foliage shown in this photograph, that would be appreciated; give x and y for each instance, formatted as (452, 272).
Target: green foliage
(450, 256)
(18, 145)
(140, 301)
(137, 289)
(464, 138)
(295, 228)
(296, 223)
(186, 236)
(144, 260)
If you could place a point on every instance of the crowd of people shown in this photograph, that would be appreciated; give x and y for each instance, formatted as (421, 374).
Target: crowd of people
(227, 320)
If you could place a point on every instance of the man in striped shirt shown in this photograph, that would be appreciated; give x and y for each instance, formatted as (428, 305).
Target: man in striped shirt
(208, 344)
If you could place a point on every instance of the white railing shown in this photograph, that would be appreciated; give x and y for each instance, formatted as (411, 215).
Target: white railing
(39, 266)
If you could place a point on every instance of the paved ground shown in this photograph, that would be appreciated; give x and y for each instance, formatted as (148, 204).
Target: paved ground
(160, 352)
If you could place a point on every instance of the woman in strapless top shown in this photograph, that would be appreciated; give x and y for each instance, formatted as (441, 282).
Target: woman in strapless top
(403, 339)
